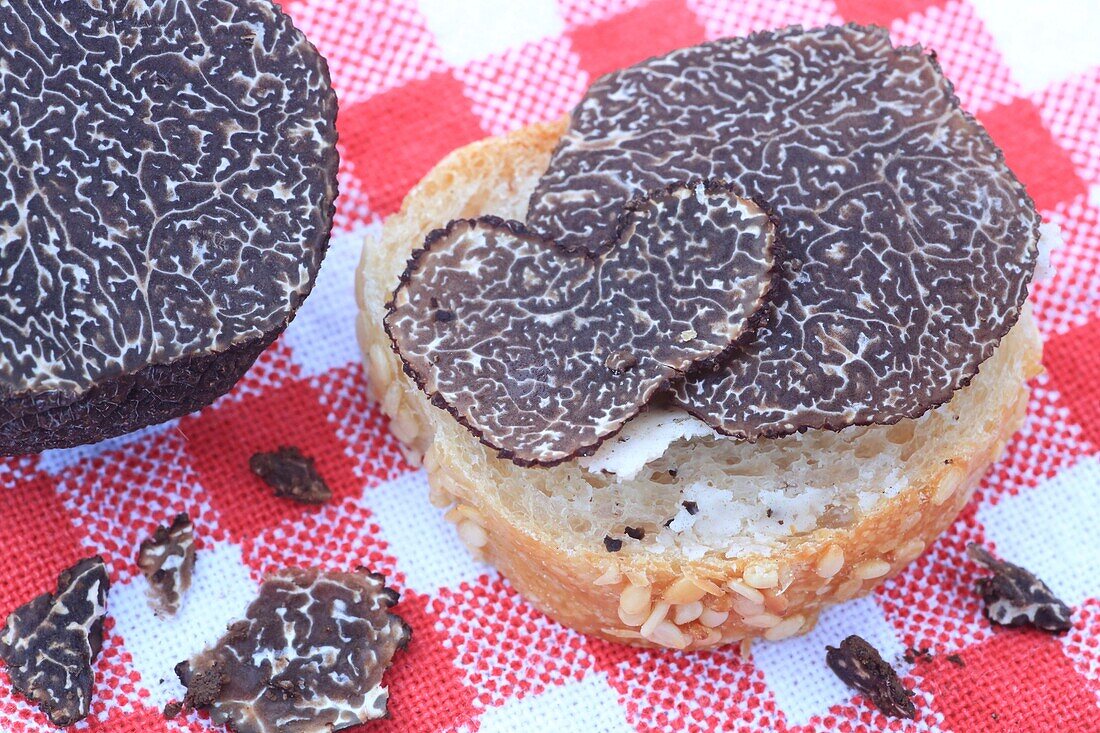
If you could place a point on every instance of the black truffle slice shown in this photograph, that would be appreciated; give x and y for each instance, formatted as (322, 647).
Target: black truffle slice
(50, 643)
(1014, 597)
(292, 474)
(543, 350)
(911, 243)
(166, 197)
(308, 657)
(859, 665)
(167, 560)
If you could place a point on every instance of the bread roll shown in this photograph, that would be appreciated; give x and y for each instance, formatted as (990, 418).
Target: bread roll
(781, 528)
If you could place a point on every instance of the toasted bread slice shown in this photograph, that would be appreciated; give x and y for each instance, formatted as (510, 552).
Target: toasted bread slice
(762, 536)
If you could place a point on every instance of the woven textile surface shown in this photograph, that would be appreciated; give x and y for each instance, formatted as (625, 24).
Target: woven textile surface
(418, 78)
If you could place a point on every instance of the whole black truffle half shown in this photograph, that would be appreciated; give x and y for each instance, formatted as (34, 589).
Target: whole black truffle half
(859, 665)
(166, 196)
(549, 350)
(911, 243)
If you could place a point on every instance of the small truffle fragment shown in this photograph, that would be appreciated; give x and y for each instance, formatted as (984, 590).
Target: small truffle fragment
(167, 559)
(169, 185)
(620, 361)
(552, 350)
(859, 665)
(910, 243)
(1015, 597)
(308, 657)
(635, 533)
(50, 643)
(292, 474)
(612, 544)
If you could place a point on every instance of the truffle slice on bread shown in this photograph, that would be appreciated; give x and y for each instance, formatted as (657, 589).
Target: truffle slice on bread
(911, 243)
(168, 192)
(764, 536)
(544, 352)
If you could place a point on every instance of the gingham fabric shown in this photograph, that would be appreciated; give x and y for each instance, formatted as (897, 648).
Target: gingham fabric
(417, 79)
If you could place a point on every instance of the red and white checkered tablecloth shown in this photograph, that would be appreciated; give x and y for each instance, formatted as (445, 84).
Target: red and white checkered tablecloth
(419, 78)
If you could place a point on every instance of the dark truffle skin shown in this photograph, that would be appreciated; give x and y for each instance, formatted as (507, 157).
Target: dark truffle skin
(911, 243)
(166, 206)
(859, 665)
(50, 643)
(292, 475)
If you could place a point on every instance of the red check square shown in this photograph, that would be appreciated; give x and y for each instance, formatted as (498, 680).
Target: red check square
(1073, 360)
(220, 442)
(39, 539)
(882, 12)
(427, 692)
(649, 30)
(1019, 680)
(1032, 154)
(394, 138)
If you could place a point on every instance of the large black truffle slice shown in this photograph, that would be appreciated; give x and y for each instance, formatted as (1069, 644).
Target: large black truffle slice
(166, 194)
(50, 643)
(308, 657)
(911, 242)
(544, 351)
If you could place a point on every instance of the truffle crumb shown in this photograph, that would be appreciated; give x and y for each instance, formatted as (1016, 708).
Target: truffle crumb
(691, 507)
(612, 544)
(635, 533)
(172, 709)
(292, 474)
(1015, 597)
(167, 560)
(859, 665)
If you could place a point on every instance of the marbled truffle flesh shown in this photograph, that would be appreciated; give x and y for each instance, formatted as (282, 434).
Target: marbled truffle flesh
(1013, 596)
(49, 644)
(545, 351)
(911, 243)
(166, 196)
(167, 560)
(308, 657)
